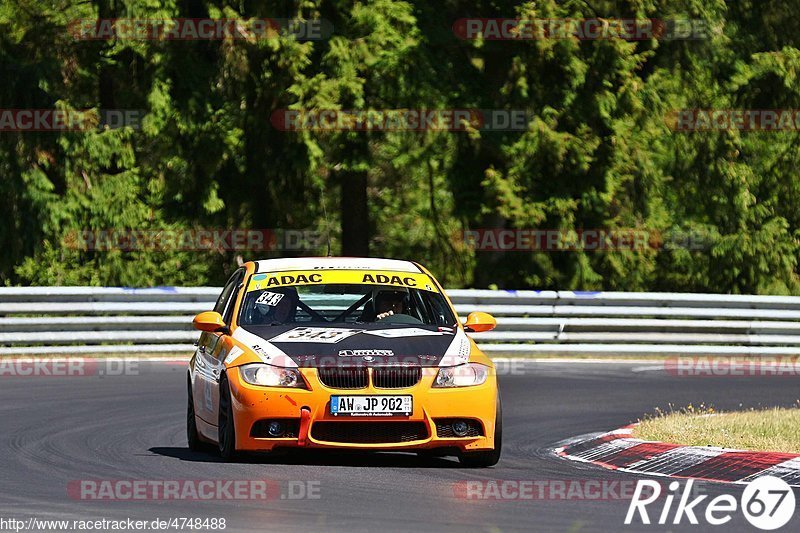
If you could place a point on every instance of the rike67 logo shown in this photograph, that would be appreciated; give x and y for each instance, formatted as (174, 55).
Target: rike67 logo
(768, 503)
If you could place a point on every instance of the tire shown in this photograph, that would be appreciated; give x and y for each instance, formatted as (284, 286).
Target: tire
(490, 457)
(192, 435)
(227, 431)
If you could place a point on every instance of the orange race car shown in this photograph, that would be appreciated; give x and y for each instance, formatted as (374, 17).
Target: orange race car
(342, 353)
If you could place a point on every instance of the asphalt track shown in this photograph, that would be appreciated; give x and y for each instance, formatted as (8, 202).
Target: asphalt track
(57, 430)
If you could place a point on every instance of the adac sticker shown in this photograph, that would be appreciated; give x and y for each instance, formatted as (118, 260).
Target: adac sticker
(346, 277)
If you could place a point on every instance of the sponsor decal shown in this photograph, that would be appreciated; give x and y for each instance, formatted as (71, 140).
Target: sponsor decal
(262, 281)
(366, 353)
(233, 355)
(343, 277)
(259, 350)
(319, 335)
(267, 352)
(458, 352)
(403, 332)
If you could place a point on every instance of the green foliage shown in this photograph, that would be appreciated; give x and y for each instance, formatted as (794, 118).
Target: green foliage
(598, 151)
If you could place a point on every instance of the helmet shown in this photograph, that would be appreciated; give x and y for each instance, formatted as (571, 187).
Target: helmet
(277, 305)
(392, 298)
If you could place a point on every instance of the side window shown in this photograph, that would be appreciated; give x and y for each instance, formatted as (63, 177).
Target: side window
(222, 303)
(231, 303)
(440, 312)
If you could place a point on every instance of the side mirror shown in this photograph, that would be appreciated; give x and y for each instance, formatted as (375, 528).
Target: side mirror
(477, 322)
(210, 321)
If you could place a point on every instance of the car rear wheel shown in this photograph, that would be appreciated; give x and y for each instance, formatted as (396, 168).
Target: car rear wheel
(227, 431)
(192, 435)
(490, 457)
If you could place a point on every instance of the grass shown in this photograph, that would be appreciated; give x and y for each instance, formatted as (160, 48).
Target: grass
(769, 430)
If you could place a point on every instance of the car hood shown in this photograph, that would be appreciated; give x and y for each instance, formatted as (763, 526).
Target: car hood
(356, 345)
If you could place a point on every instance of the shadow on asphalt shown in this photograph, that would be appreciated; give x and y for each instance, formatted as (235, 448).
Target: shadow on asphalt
(316, 458)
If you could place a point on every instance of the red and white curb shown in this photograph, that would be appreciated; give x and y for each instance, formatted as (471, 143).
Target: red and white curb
(618, 450)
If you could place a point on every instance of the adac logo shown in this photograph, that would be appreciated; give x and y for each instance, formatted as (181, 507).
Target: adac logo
(287, 279)
(382, 279)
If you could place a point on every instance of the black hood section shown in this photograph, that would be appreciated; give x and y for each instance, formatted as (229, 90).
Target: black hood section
(363, 349)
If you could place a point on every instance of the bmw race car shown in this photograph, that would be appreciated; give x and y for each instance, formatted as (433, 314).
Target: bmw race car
(343, 353)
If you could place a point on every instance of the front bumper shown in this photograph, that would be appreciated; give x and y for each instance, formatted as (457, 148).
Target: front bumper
(252, 404)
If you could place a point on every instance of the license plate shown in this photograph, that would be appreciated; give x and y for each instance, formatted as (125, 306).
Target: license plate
(371, 405)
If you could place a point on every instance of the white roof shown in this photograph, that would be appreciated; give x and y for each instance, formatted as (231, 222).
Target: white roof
(340, 263)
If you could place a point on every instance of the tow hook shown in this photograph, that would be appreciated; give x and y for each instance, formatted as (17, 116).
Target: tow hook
(305, 420)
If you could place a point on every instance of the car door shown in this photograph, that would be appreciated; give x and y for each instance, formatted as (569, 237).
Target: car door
(208, 364)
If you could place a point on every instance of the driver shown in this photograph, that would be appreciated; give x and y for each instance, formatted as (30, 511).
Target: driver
(390, 302)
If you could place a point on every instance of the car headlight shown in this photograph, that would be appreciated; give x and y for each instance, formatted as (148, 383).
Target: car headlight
(271, 376)
(466, 375)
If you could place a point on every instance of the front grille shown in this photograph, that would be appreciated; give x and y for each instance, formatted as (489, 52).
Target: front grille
(444, 428)
(291, 429)
(338, 377)
(369, 432)
(396, 377)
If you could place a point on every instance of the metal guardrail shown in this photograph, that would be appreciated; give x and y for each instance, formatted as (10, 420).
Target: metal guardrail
(82, 320)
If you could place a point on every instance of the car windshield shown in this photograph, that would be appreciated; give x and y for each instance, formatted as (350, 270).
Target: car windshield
(274, 300)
